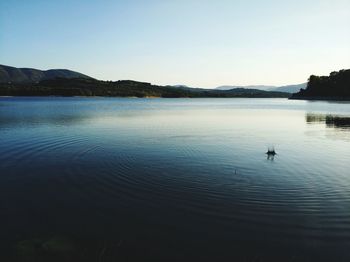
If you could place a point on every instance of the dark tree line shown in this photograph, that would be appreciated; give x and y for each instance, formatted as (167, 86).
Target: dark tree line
(125, 88)
(334, 86)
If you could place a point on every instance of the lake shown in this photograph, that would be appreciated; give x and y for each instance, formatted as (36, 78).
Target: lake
(124, 179)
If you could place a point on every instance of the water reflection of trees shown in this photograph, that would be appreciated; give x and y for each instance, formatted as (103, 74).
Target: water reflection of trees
(331, 121)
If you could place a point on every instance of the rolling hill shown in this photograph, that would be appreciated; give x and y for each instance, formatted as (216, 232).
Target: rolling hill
(290, 88)
(286, 88)
(10, 74)
(63, 82)
(259, 87)
(123, 88)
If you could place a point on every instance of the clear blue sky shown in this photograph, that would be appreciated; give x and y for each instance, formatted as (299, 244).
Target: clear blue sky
(202, 43)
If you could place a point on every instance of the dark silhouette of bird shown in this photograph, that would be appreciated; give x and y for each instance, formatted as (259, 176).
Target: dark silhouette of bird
(271, 151)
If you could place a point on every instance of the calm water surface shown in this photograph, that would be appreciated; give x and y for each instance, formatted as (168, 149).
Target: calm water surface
(177, 179)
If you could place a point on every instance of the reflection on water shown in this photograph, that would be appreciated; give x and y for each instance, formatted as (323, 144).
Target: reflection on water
(331, 121)
(173, 180)
(337, 127)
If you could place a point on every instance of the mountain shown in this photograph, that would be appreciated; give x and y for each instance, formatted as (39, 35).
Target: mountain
(249, 92)
(187, 88)
(260, 87)
(62, 82)
(289, 88)
(10, 74)
(124, 88)
(181, 86)
(336, 86)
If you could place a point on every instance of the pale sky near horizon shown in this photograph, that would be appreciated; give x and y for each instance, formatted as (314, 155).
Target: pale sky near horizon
(201, 43)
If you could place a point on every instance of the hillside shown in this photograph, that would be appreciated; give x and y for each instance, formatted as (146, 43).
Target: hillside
(260, 87)
(62, 82)
(10, 74)
(288, 88)
(336, 86)
(125, 88)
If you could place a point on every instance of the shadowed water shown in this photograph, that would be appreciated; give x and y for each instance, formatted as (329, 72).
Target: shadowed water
(177, 179)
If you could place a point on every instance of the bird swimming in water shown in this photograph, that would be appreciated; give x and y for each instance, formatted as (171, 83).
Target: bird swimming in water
(271, 151)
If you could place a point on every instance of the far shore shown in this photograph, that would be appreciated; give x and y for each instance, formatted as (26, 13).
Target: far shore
(151, 97)
(317, 98)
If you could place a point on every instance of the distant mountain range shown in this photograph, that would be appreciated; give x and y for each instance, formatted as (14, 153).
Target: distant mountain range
(260, 87)
(62, 82)
(290, 88)
(124, 88)
(10, 74)
(287, 88)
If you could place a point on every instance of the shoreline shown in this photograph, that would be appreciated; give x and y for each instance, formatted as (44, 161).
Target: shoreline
(150, 97)
(321, 98)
